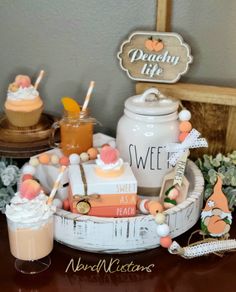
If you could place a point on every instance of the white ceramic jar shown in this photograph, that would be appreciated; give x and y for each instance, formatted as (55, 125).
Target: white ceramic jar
(150, 121)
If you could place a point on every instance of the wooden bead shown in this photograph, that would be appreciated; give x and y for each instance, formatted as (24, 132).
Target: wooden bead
(142, 207)
(66, 205)
(64, 160)
(184, 115)
(163, 230)
(84, 157)
(182, 136)
(185, 126)
(44, 158)
(154, 207)
(54, 159)
(92, 152)
(34, 161)
(29, 169)
(166, 241)
(74, 158)
(160, 218)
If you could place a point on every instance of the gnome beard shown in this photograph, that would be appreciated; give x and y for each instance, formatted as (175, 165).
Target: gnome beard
(216, 221)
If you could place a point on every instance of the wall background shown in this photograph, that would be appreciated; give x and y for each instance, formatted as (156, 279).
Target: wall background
(76, 41)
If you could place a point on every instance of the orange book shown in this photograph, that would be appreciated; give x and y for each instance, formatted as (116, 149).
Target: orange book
(104, 202)
(113, 211)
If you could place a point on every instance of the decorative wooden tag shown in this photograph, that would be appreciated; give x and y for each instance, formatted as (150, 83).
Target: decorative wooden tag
(155, 57)
(175, 179)
(168, 182)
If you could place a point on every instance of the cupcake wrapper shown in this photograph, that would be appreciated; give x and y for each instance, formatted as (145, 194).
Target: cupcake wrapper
(24, 119)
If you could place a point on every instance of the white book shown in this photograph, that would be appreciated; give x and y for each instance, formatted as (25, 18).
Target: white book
(123, 184)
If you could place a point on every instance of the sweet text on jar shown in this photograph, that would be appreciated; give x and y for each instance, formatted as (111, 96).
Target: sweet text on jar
(150, 159)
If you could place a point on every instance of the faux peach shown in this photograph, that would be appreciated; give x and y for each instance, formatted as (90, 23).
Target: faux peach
(154, 207)
(23, 80)
(29, 189)
(109, 155)
(27, 176)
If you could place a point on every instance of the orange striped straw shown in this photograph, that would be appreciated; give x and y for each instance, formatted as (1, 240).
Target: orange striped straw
(39, 79)
(56, 185)
(87, 98)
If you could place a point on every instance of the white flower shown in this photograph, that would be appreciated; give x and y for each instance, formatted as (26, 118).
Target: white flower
(9, 175)
(211, 203)
(7, 179)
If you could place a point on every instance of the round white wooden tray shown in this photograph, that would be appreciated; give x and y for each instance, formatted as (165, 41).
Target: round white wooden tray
(127, 235)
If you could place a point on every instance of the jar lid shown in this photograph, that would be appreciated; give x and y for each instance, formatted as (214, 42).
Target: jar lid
(151, 103)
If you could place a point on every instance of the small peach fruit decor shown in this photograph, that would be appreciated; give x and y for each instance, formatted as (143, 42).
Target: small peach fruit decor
(216, 219)
(154, 45)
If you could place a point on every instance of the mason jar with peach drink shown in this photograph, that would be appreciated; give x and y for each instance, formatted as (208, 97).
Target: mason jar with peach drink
(76, 126)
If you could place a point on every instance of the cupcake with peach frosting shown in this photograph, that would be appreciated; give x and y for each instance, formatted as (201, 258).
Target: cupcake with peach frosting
(23, 106)
(109, 163)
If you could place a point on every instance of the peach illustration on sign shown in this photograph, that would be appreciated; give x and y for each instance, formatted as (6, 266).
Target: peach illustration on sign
(216, 217)
(154, 45)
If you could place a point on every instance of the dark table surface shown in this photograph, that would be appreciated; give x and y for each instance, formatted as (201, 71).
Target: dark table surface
(170, 273)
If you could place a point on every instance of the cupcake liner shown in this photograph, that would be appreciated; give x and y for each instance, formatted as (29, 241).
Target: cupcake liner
(24, 119)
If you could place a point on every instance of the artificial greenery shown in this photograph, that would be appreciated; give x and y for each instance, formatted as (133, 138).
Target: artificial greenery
(225, 167)
(9, 175)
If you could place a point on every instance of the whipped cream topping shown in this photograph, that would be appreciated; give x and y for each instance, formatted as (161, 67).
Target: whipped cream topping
(27, 93)
(22, 210)
(110, 166)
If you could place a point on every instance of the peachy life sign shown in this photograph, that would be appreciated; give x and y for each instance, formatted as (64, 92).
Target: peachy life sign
(155, 57)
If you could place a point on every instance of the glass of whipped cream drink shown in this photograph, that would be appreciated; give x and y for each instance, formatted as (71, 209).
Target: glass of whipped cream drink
(30, 228)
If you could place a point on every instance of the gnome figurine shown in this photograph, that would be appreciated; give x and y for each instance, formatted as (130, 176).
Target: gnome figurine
(216, 217)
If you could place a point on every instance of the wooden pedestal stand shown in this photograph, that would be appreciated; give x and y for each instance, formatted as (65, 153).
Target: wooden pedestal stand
(213, 108)
(25, 142)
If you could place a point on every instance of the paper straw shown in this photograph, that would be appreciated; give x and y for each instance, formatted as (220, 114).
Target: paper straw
(56, 185)
(87, 98)
(39, 79)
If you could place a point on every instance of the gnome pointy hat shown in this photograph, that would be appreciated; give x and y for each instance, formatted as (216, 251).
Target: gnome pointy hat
(217, 200)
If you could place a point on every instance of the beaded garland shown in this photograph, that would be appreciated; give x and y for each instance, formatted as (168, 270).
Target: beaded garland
(185, 127)
(155, 208)
(29, 170)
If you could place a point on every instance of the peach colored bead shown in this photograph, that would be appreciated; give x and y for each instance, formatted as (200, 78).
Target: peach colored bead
(154, 207)
(44, 158)
(66, 205)
(64, 160)
(185, 126)
(166, 241)
(27, 176)
(92, 152)
(182, 136)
